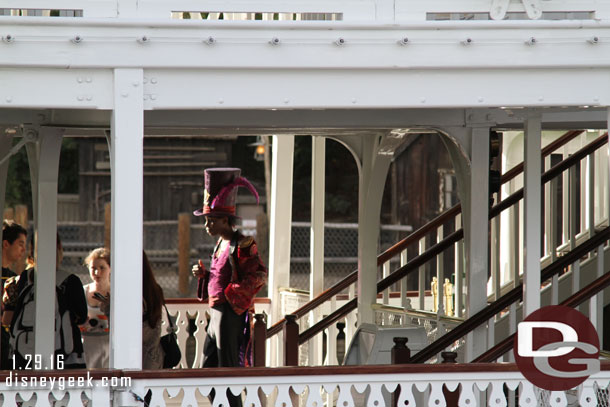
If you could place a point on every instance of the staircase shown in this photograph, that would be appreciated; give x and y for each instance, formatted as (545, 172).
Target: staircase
(413, 308)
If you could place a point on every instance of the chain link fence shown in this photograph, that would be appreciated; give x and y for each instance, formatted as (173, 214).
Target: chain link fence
(161, 246)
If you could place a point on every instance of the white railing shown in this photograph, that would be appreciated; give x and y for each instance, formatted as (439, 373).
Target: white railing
(191, 343)
(265, 10)
(472, 386)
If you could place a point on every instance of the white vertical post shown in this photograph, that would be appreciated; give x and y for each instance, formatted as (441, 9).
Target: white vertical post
(596, 304)
(552, 231)
(459, 270)
(440, 277)
(532, 217)
(6, 141)
(374, 170)
(574, 196)
(591, 194)
(127, 149)
(476, 237)
(280, 223)
(48, 149)
(316, 259)
(421, 284)
(385, 271)
(405, 302)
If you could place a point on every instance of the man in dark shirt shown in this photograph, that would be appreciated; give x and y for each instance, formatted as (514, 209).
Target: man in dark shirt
(14, 238)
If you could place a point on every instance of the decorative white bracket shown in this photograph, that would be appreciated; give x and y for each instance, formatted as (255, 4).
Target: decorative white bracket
(28, 137)
(500, 7)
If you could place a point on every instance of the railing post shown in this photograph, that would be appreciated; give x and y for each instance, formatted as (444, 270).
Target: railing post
(451, 397)
(291, 341)
(401, 354)
(260, 340)
(184, 252)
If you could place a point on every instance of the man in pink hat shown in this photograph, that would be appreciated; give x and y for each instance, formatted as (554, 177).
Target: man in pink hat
(236, 274)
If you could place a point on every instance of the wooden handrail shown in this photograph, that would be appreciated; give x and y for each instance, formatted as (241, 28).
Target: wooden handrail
(452, 238)
(412, 238)
(573, 301)
(385, 283)
(504, 301)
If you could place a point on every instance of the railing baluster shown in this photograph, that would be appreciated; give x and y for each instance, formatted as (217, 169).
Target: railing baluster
(574, 197)
(591, 194)
(552, 236)
(421, 286)
(405, 302)
(440, 275)
(386, 292)
(459, 270)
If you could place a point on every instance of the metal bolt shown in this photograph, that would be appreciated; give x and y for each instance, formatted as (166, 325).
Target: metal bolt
(531, 41)
(593, 40)
(145, 97)
(480, 99)
(124, 94)
(79, 80)
(286, 101)
(467, 41)
(422, 100)
(144, 39)
(275, 41)
(340, 41)
(145, 80)
(8, 38)
(210, 40)
(88, 79)
(89, 97)
(135, 84)
(153, 80)
(80, 98)
(153, 97)
(354, 100)
(77, 39)
(403, 41)
(9, 99)
(221, 101)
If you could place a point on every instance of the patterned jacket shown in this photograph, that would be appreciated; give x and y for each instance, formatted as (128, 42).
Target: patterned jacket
(249, 275)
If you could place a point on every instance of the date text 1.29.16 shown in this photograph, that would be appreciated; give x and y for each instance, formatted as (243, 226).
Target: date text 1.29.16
(34, 362)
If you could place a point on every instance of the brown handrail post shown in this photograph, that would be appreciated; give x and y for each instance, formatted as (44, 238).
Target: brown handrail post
(401, 354)
(184, 252)
(452, 397)
(260, 340)
(291, 341)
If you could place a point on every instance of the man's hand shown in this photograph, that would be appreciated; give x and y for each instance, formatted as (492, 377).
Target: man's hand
(199, 270)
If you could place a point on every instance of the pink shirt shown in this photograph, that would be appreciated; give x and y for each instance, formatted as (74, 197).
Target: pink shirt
(219, 278)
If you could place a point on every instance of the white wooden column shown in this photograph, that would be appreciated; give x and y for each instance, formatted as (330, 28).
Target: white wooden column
(280, 225)
(532, 222)
(316, 259)
(6, 141)
(373, 173)
(44, 162)
(127, 140)
(476, 226)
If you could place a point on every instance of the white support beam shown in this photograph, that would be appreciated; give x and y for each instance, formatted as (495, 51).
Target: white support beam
(316, 258)
(373, 172)
(48, 147)
(127, 135)
(280, 225)
(6, 141)
(476, 237)
(532, 222)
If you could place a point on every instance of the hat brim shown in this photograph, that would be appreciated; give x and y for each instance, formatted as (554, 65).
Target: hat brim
(213, 213)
